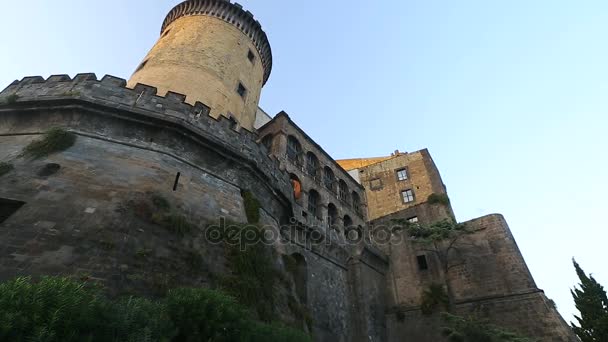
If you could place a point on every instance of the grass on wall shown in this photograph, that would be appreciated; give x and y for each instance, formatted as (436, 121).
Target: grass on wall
(53, 141)
(252, 207)
(62, 309)
(438, 199)
(5, 168)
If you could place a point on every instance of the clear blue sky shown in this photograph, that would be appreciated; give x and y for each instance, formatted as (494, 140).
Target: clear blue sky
(510, 97)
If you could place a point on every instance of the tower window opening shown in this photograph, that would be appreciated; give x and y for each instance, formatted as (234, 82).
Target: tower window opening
(8, 208)
(251, 56)
(422, 263)
(166, 33)
(241, 90)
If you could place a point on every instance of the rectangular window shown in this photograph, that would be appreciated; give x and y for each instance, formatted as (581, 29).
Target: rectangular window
(407, 196)
(402, 175)
(375, 184)
(241, 90)
(413, 219)
(422, 264)
(8, 208)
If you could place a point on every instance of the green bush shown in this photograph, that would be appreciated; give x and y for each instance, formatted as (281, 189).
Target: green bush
(55, 309)
(275, 332)
(206, 315)
(5, 168)
(253, 275)
(438, 199)
(252, 207)
(61, 309)
(54, 140)
(432, 297)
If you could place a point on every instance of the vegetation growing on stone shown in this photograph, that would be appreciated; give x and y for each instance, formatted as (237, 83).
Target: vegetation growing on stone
(53, 141)
(156, 209)
(62, 309)
(434, 297)
(460, 329)
(12, 98)
(254, 275)
(592, 303)
(442, 240)
(438, 199)
(5, 168)
(252, 207)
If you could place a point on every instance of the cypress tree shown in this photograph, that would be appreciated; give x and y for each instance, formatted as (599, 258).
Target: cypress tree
(592, 303)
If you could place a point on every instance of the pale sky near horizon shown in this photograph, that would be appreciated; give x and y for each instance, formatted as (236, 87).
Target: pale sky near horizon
(508, 96)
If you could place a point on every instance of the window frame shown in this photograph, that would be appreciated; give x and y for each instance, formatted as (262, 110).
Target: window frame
(413, 196)
(405, 171)
(376, 188)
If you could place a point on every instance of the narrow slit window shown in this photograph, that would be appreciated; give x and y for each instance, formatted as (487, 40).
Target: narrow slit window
(251, 56)
(422, 263)
(241, 90)
(176, 181)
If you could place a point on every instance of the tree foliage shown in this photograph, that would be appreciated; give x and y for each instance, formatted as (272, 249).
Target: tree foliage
(460, 329)
(61, 309)
(591, 301)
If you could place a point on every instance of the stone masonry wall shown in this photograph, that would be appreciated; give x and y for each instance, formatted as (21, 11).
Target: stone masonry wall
(490, 278)
(383, 188)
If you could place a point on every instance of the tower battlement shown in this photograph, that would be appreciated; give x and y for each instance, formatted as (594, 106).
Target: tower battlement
(230, 13)
(112, 92)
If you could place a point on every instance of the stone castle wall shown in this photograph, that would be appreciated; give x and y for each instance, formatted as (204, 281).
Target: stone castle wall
(489, 279)
(384, 189)
(85, 219)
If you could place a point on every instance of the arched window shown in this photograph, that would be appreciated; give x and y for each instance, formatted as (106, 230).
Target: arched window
(313, 203)
(267, 141)
(357, 202)
(294, 150)
(297, 186)
(312, 164)
(332, 214)
(328, 178)
(348, 222)
(343, 191)
(300, 277)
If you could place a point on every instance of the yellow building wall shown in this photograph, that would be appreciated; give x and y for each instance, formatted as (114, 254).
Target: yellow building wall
(205, 58)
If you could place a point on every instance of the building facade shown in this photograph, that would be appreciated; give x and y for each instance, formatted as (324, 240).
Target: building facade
(187, 128)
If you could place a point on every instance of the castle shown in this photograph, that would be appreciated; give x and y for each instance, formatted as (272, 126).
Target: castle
(187, 127)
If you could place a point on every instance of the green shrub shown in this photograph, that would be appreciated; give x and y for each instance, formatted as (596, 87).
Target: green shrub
(438, 199)
(252, 207)
(55, 309)
(54, 140)
(460, 329)
(61, 309)
(5, 168)
(140, 320)
(206, 315)
(432, 297)
(253, 275)
(276, 332)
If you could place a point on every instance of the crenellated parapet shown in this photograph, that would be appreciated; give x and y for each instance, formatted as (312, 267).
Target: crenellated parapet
(230, 13)
(111, 92)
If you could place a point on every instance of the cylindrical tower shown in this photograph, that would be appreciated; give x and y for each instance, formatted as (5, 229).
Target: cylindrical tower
(214, 52)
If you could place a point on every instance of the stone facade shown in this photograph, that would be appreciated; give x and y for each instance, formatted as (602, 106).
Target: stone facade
(207, 50)
(340, 200)
(384, 185)
(85, 211)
